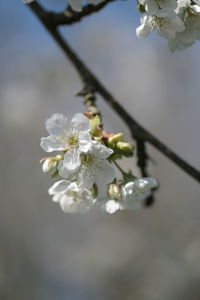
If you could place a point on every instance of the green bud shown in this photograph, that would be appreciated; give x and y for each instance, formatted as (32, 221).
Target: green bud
(94, 126)
(114, 139)
(125, 147)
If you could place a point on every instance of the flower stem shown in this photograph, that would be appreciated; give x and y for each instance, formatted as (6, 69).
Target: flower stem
(119, 168)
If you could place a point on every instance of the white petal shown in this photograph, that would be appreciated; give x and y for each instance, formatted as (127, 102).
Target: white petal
(132, 197)
(56, 125)
(197, 7)
(52, 143)
(153, 183)
(80, 122)
(95, 2)
(85, 141)
(59, 186)
(197, 2)
(75, 4)
(167, 33)
(104, 174)
(57, 197)
(176, 24)
(63, 172)
(145, 28)
(76, 199)
(86, 178)
(72, 160)
(112, 206)
(100, 151)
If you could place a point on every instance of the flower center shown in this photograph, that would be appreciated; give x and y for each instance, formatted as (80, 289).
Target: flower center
(86, 158)
(159, 22)
(74, 195)
(71, 140)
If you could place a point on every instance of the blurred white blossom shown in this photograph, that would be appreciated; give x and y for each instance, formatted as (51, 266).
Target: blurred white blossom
(161, 8)
(166, 27)
(191, 16)
(94, 167)
(71, 197)
(132, 195)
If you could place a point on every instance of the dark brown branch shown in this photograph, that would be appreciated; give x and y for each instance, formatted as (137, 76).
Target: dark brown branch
(68, 16)
(137, 131)
(142, 156)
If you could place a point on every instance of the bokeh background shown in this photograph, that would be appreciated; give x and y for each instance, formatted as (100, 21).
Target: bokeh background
(153, 254)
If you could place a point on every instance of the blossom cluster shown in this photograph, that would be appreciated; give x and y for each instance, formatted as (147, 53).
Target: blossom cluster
(177, 21)
(85, 164)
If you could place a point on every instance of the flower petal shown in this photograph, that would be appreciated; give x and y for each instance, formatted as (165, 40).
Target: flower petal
(80, 122)
(72, 160)
(153, 183)
(75, 4)
(86, 178)
(100, 151)
(104, 174)
(111, 206)
(56, 125)
(145, 28)
(52, 143)
(85, 141)
(59, 186)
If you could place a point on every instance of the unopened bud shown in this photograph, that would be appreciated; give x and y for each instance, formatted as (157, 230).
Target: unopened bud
(115, 138)
(50, 165)
(114, 191)
(125, 147)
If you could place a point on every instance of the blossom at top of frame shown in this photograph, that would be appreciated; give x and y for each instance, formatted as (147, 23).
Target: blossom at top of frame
(166, 27)
(190, 14)
(160, 8)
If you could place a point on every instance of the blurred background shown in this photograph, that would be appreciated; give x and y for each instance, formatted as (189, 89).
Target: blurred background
(152, 254)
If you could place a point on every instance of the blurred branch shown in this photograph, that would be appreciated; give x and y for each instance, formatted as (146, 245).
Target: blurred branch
(138, 132)
(68, 16)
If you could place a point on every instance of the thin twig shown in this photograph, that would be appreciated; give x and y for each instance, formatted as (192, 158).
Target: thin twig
(137, 131)
(68, 16)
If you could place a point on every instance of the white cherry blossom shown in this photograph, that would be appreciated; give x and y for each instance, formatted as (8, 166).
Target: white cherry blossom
(94, 167)
(135, 192)
(72, 198)
(132, 196)
(112, 205)
(166, 27)
(191, 16)
(161, 8)
(73, 137)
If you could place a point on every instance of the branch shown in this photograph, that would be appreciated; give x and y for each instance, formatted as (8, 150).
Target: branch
(138, 132)
(68, 16)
